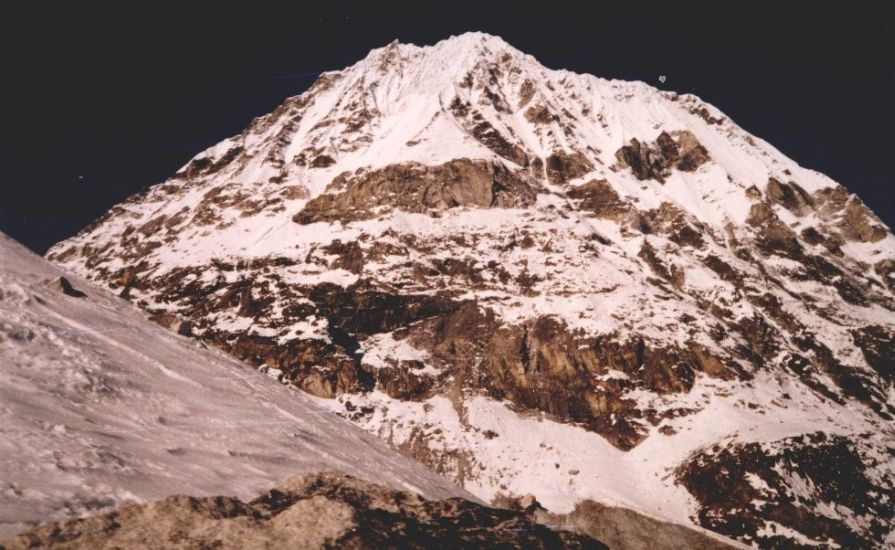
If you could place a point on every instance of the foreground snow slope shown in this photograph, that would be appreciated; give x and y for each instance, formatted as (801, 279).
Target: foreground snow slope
(100, 407)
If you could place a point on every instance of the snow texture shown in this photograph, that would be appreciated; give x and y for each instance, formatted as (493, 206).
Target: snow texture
(100, 407)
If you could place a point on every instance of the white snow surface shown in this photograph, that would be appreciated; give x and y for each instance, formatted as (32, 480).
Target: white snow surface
(563, 465)
(100, 407)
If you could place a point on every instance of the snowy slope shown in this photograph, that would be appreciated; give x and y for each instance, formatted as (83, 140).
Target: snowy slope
(100, 407)
(460, 250)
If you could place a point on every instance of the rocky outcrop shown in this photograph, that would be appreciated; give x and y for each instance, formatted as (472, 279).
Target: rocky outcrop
(562, 167)
(825, 489)
(680, 150)
(878, 346)
(350, 256)
(485, 133)
(789, 195)
(846, 217)
(599, 198)
(205, 166)
(670, 221)
(858, 223)
(325, 510)
(774, 237)
(318, 367)
(63, 285)
(420, 189)
(364, 308)
(543, 366)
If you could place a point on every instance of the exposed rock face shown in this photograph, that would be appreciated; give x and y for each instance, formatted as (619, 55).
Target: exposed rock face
(789, 195)
(64, 286)
(485, 133)
(321, 369)
(762, 493)
(420, 189)
(680, 150)
(327, 510)
(886, 270)
(350, 256)
(464, 250)
(598, 197)
(673, 223)
(563, 167)
(542, 366)
(205, 166)
(858, 223)
(877, 343)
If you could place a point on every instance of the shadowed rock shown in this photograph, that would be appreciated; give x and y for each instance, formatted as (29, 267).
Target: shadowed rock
(563, 167)
(599, 197)
(64, 286)
(743, 488)
(680, 150)
(325, 510)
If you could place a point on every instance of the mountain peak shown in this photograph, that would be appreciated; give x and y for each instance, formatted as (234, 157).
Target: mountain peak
(474, 41)
(443, 59)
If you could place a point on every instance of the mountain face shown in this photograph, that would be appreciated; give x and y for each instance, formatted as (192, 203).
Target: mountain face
(536, 281)
(100, 407)
(104, 410)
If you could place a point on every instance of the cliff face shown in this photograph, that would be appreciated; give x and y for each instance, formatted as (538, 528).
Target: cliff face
(534, 281)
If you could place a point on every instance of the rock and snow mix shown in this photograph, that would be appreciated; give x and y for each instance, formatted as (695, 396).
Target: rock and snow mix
(534, 281)
(322, 510)
(100, 407)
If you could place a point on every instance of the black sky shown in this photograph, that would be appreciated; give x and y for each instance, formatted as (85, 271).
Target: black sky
(99, 102)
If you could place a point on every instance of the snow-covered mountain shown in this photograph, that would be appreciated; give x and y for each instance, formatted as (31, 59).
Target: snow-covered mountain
(100, 407)
(103, 410)
(542, 282)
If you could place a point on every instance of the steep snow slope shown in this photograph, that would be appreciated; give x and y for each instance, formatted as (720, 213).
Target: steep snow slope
(100, 407)
(539, 281)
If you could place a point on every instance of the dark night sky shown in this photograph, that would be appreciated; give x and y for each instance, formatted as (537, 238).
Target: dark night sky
(98, 103)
